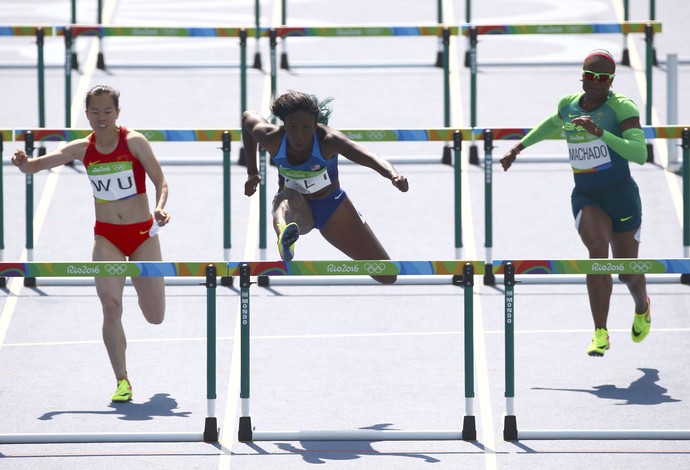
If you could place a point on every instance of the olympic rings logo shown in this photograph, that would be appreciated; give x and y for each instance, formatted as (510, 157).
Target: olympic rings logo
(115, 269)
(119, 167)
(374, 268)
(641, 266)
(376, 135)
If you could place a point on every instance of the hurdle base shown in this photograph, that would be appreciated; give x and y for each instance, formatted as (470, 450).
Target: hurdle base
(284, 65)
(100, 62)
(245, 432)
(489, 276)
(211, 430)
(650, 153)
(510, 432)
(458, 280)
(29, 282)
(469, 429)
(685, 279)
(226, 281)
(263, 281)
(3, 282)
(446, 158)
(474, 155)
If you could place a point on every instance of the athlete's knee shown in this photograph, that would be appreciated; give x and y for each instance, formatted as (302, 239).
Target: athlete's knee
(154, 315)
(597, 248)
(629, 279)
(112, 307)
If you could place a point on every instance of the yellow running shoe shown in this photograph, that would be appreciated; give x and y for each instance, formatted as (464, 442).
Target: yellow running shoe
(641, 324)
(600, 343)
(286, 241)
(123, 392)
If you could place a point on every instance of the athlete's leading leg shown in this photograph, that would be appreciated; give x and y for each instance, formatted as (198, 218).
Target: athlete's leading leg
(626, 245)
(109, 291)
(348, 232)
(596, 233)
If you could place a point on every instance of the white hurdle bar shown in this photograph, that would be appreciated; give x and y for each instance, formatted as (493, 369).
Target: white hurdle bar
(104, 437)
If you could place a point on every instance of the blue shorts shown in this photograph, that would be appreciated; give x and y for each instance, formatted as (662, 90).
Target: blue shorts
(323, 209)
(621, 203)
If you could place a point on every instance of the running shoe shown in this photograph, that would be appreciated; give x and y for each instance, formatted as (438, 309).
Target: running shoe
(286, 241)
(641, 324)
(123, 392)
(600, 343)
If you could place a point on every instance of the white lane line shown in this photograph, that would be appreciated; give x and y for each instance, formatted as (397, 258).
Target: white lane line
(228, 436)
(486, 430)
(660, 148)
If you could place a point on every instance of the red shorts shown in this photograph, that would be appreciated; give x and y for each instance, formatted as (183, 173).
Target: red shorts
(125, 237)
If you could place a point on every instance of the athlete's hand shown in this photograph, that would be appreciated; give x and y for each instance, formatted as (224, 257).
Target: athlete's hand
(250, 185)
(162, 217)
(20, 160)
(508, 159)
(588, 124)
(400, 182)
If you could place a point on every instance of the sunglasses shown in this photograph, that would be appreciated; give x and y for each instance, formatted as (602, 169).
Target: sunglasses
(598, 76)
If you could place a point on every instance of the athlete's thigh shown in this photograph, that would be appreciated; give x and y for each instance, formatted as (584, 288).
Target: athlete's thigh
(595, 227)
(625, 244)
(347, 231)
(109, 289)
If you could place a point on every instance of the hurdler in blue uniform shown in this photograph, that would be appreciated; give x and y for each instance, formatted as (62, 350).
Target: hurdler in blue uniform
(305, 150)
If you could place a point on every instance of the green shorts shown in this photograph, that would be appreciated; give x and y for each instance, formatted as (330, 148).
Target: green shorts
(622, 204)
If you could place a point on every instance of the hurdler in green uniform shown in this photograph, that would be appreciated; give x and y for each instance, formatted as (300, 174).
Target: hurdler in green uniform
(603, 132)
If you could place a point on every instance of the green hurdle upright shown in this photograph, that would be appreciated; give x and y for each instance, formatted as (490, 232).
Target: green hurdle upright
(586, 266)
(467, 269)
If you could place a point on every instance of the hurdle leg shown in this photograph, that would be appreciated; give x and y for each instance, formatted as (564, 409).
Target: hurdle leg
(245, 430)
(510, 421)
(469, 428)
(211, 425)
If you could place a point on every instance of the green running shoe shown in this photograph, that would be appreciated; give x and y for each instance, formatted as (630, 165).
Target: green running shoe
(286, 241)
(641, 324)
(123, 392)
(600, 343)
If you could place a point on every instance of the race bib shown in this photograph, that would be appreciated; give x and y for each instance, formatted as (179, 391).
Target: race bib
(589, 156)
(305, 182)
(112, 181)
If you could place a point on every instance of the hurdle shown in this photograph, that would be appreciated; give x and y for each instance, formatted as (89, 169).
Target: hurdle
(71, 32)
(650, 132)
(284, 64)
(559, 267)
(464, 272)
(134, 269)
(473, 31)
(443, 32)
(454, 135)
(225, 136)
(39, 32)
